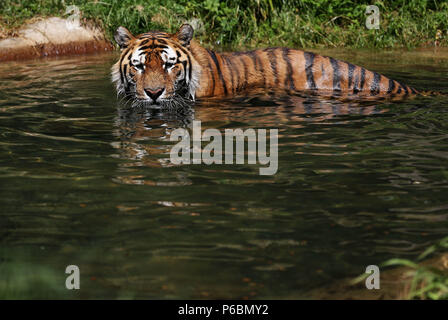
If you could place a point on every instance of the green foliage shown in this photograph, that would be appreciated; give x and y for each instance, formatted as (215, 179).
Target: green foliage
(427, 282)
(237, 23)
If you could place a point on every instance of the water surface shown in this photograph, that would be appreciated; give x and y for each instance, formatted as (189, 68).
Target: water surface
(85, 182)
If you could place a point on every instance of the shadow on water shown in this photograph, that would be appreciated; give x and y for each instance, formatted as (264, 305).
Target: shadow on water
(86, 182)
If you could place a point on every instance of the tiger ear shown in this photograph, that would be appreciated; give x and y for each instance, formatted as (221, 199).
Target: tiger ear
(122, 37)
(185, 34)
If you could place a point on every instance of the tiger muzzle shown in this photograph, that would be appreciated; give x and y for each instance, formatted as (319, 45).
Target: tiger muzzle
(154, 94)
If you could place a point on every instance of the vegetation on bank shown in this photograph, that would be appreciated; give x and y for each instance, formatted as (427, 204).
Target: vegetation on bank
(257, 23)
(425, 279)
(427, 282)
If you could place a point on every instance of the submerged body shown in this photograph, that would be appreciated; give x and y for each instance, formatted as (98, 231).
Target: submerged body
(162, 68)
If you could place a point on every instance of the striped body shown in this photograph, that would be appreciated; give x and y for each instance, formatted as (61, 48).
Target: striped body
(173, 69)
(292, 70)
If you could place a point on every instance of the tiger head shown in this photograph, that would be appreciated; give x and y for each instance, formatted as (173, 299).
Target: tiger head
(156, 68)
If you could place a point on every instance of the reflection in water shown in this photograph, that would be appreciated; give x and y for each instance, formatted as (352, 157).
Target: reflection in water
(85, 182)
(135, 130)
(143, 133)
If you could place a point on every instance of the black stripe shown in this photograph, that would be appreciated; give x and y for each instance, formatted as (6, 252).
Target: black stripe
(121, 75)
(252, 55)
(355, 84)
(121, 64)
(257, 65)
(399, 90)
(212, 76)
(189, 60)
(156, 46)
(218, 68)
(263, 76)
(273, 62)
(245, 71)
(190, 67)
(351, 69)
(288, 80)
(391, 86)
(413, 90)
(229, 60)
(375, 87)
(125, 83)
(309, 62)
(336, 75)
(153, 46)
(363, 79)
(405, 88)
(229, 67)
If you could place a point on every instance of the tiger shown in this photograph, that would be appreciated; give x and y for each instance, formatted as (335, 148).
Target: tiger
(162, 69)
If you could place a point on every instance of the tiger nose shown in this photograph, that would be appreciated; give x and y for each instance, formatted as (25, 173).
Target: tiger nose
(154, 93)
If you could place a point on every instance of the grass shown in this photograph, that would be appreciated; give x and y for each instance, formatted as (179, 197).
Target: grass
(427, 282)
(258, 23)
(428, 278)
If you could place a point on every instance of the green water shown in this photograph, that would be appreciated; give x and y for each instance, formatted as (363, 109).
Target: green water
(84, 182)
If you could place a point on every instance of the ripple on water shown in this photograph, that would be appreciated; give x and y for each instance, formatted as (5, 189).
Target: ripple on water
(84, 181)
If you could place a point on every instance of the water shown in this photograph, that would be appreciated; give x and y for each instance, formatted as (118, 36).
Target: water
(82, 182)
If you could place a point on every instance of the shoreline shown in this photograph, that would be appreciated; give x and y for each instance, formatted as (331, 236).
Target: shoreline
(53, 37)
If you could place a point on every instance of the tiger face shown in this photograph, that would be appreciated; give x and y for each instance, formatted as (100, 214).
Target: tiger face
(156, 68)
